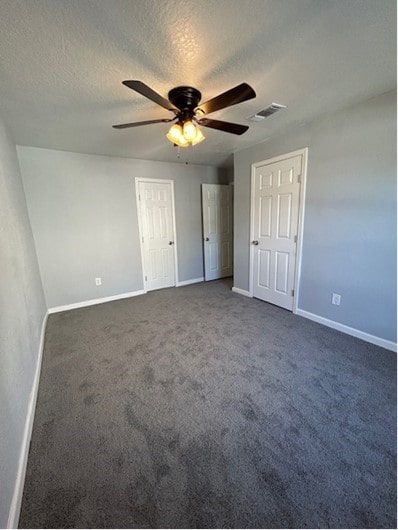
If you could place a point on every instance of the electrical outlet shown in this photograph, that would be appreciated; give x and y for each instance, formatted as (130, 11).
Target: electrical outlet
(336, 298)
(98, 281)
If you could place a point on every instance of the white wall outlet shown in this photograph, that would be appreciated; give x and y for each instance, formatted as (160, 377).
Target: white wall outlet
(98, 281)
(336, 298)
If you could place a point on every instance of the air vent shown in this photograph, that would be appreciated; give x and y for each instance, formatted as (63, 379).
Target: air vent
(268, 111)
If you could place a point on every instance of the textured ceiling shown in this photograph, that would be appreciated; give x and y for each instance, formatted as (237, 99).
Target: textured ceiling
(62, 64)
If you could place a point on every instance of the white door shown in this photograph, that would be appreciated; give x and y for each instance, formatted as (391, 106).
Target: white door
(157, 232)
(217, 230)
(275, 215)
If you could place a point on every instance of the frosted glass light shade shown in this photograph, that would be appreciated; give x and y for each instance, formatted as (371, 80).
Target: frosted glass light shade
(175, 133)
(189, 131)
(198, 138)
(181, 142)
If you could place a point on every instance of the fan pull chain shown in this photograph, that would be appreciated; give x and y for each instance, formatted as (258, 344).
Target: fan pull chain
(179, 154)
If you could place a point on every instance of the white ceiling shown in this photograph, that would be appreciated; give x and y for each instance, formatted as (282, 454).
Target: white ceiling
(62, 63)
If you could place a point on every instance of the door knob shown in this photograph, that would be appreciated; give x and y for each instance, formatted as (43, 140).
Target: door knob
(171, 242)
(207, 239)
(255, 242)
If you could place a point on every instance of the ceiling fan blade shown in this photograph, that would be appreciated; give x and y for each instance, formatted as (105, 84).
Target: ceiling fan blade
(226, 126)
(139, 123)
(235, 95)
(144, 90)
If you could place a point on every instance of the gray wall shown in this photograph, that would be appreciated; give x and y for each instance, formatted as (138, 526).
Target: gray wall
(22, 309)
(349, 244)
(84, 220)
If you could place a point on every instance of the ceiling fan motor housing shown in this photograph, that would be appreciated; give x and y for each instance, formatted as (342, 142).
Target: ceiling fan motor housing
(185, 98)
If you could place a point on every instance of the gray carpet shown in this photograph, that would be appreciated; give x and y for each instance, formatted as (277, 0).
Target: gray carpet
(196, 407)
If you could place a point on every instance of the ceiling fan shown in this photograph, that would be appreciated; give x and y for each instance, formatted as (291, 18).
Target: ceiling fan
(184, 101)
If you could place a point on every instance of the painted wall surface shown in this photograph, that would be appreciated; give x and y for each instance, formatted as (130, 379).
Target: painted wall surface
(85, 225)
(350, 239)
(22, 309)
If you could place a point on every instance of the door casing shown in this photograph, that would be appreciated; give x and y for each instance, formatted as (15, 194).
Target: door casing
(304, 153)
(140, 227)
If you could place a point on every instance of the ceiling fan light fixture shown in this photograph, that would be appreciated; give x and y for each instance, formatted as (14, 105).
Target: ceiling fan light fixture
(185, 136)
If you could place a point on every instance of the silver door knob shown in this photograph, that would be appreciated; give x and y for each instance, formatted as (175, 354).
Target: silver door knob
(255, 242)
(207, 239)
(171, 242)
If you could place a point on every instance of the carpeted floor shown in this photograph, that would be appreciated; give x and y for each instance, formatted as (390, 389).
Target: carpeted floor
(197, 407)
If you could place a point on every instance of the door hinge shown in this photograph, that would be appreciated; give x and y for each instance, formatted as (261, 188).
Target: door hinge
(292, 292)
(146, 279)
(299, 179)
(295, 239)
(139, 196)
(142, 238)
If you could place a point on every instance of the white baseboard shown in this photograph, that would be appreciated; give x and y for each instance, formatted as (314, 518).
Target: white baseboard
(241, 291)
(16, 501)
(95, 301)
(378, 341)
(188, 282)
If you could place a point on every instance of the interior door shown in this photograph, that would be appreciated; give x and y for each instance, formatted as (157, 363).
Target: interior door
(156, 210)
(217, 230)
(275, 209)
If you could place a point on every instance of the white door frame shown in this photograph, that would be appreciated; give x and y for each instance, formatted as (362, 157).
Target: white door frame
(140, 229)
(297, 274)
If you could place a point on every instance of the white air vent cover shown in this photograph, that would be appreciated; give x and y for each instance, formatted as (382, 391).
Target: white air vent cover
(268, 111)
